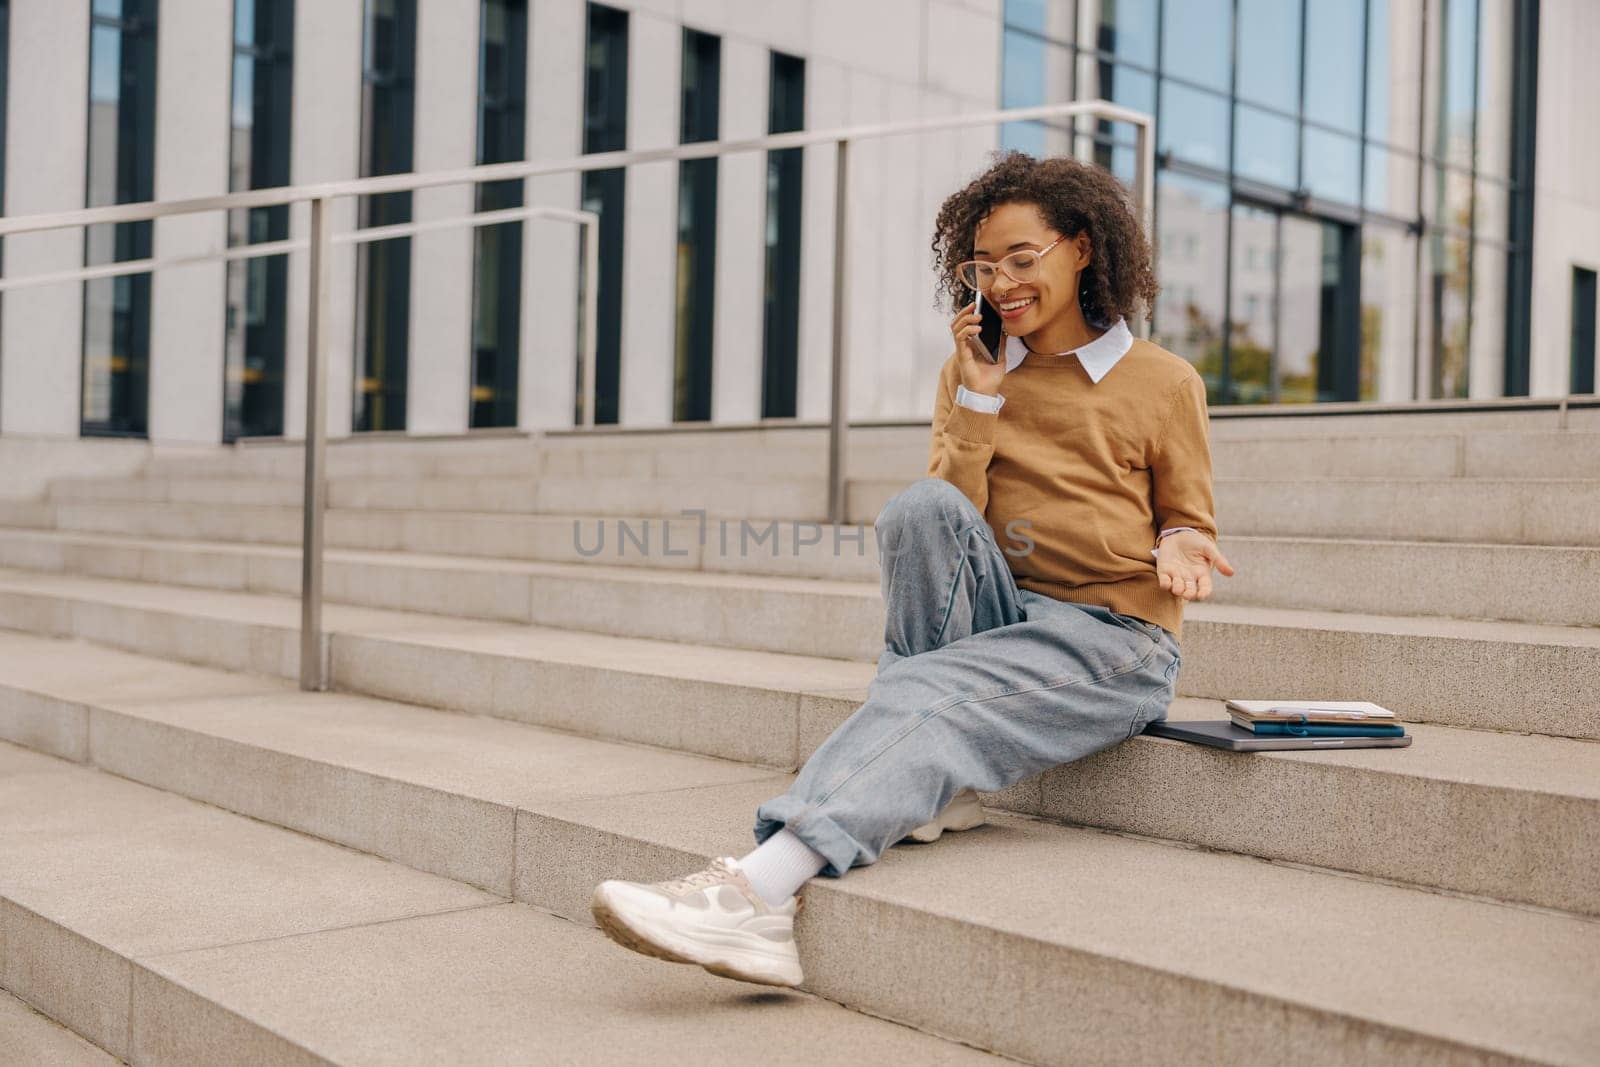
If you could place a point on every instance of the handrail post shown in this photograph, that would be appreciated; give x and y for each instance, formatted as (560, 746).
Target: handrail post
(312, 665)
(838, 409)
(591, 312)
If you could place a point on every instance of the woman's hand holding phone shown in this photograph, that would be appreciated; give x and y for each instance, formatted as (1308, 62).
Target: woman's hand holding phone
(978, 373)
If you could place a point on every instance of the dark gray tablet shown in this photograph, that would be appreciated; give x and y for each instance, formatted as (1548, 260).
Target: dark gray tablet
(1222, 733)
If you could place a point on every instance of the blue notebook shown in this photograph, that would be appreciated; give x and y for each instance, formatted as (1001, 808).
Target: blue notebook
(1292, 729)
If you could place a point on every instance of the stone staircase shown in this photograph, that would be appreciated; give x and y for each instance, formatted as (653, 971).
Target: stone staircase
(200, 863)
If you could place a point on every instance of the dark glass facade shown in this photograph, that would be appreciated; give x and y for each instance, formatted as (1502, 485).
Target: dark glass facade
(605, 129)
(1583, 330)
(786, 113)
(258, 157)
(697, 230)
(121, 169)
(1335, 182)
(383, 278)
(497, 249)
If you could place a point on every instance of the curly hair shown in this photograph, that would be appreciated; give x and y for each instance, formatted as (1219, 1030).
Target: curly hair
(1073, 196)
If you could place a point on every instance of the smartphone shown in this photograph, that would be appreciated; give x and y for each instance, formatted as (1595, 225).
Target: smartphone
(988, 341)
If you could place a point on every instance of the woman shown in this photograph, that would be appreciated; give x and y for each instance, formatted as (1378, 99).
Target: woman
(1034, 582)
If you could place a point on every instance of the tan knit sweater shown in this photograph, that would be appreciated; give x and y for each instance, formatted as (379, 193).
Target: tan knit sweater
(1085, 474)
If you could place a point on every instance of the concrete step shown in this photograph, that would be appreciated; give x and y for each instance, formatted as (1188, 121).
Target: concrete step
(900, 454)
(1549, 585)
(846, 552)
(27, 514)
(1525, 511)
(485, 494)
(1422, 575)
(818, 615)
(1582, 414)
(1551, 511)
(506, 453)
(1507, 816)
(1491, 675)
(217, 924)
(1476, 454)
(29, 1037)
(796, 498)
(810, 616)
(169, 932)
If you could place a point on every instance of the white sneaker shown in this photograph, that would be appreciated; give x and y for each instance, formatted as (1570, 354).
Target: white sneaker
(962, 813)
(712, 917)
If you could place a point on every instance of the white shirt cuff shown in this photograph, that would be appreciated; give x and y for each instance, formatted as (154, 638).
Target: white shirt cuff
(978, 401)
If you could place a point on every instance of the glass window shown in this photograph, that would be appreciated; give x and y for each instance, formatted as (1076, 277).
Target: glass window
(121, 169)
(1269, 54)
(605, 129)
(258, 157)
(1332, 166)
(1452, 82)
(383, 268)
(1388, 307)
(1192, 215)
(1264, 149)
(1495, 89)
(1308, 289)
(1333, 70)
(1394, 71)
(1194, 125)
(1491, 207)
(1027, 14)
(497, 250)
(1488, 362)
(1022, 85)
(1447, 198)
(697, 229)
(1447, 278)
(1197, 42)
(1253, 323)
(1391, 182)
(1127, 30)
(1115, 142)
(786, 110)
(1036, 72)
(1583, 357)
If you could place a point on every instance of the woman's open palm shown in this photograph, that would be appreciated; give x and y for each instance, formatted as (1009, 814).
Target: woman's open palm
(1184, 562)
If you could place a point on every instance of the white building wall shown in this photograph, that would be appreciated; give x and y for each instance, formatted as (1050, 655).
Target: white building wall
(548, 381)
(325, 146)
(439, 370)
(737, 343)
(194, 66)
(1566, 219)
(41, 331)
(650, 224)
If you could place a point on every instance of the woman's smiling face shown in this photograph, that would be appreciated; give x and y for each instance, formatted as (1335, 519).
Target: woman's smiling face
(1013, 227)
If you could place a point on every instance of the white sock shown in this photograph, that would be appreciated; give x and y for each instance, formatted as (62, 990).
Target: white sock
(781, 865)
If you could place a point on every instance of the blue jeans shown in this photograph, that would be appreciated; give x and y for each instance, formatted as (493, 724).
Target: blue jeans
(980, 685)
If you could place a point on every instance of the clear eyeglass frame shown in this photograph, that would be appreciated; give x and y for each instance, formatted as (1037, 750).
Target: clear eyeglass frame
(1021, 267)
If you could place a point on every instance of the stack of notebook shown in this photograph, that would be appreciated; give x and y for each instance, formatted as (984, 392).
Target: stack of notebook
(1315, 718)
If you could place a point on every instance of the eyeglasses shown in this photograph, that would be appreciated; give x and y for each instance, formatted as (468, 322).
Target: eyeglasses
(1021, 267)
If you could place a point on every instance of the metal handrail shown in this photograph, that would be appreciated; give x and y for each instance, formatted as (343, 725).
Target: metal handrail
(278, 248)
(312, 667)
(494, 172)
